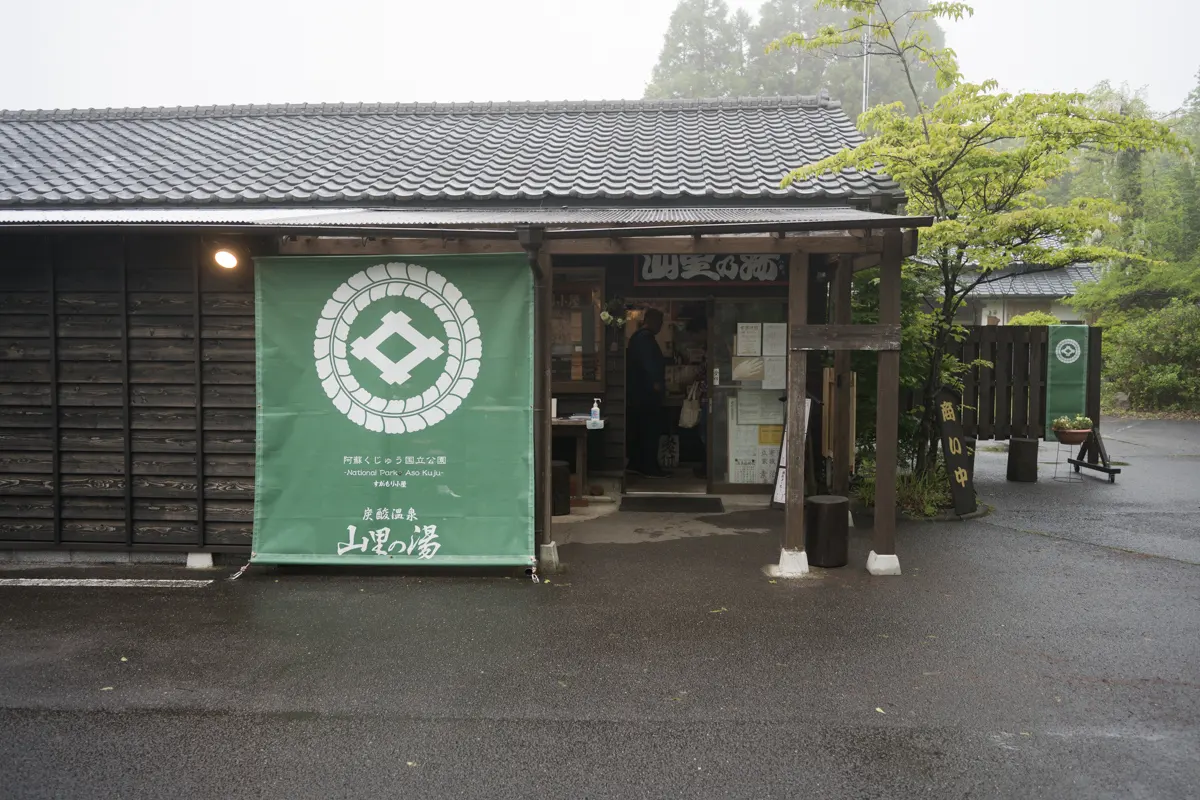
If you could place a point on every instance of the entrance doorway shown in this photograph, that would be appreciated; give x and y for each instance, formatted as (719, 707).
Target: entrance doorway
(733, 351)
(682, 452)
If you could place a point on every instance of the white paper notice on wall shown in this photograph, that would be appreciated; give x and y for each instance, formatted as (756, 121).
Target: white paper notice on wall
(774, 372)
(749, 339)
(774, 339)
(759, 407)
(779, 498)
(743, 448)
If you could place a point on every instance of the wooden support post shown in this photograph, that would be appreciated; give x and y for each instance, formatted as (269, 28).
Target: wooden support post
(543, 276)
(541, 470)
(544, 367)
(793, 535)
(843, 395)
(883, 560)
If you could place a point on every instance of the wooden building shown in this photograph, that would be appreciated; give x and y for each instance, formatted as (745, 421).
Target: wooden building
(127, 357)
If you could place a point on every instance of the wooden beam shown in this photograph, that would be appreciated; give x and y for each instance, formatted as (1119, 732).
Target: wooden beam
(846, 337)
(797, 391)
(843, 394)
(358, 246)
(865, 262)
(714, 245)
(887, 416)
(870, 260)
(642, 245)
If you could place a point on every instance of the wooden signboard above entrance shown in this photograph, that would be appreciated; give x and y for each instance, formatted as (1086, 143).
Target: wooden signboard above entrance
(710, 270)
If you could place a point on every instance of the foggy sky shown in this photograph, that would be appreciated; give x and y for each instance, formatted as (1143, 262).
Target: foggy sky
(95, 53)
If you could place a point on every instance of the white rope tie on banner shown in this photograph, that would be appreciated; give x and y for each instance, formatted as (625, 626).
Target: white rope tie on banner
(239, 573)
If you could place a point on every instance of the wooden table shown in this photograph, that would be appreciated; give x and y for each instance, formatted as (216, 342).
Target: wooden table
(579, 430)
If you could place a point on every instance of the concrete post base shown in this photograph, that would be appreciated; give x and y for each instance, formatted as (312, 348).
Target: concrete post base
(199, 561)
(883, 565)
(548, 557)
(792, 564)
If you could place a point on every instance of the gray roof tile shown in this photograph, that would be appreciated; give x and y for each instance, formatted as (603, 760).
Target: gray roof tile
(381, 153)
(1029, 282)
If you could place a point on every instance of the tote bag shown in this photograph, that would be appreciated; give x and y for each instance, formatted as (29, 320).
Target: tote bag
(689, 415)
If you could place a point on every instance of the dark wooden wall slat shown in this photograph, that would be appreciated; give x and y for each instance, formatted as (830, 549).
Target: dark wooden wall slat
(970, 409)
(19, 326)
(987, 382)
(1003, 399)
(1020, 385)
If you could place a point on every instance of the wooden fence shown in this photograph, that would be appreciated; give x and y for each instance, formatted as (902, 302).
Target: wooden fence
(1008, 399)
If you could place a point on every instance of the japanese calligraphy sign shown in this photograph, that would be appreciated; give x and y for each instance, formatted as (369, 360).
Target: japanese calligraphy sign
(954, 449)
(1066, 372)
(395, 420)
(730, 270)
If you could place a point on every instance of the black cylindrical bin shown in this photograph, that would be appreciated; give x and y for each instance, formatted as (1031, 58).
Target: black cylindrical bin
(827, 530)
(560, 488)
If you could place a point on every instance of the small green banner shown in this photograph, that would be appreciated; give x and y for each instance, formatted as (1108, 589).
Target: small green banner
(395, 421)
(1066, 372)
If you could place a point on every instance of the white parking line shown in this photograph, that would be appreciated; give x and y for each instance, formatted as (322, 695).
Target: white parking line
(125, 582)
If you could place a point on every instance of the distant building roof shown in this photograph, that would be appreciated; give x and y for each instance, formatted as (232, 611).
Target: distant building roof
(685, 152)
(1029, 282)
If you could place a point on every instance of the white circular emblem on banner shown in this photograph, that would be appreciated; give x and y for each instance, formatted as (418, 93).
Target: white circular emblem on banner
(1068, 351)
(338, 357)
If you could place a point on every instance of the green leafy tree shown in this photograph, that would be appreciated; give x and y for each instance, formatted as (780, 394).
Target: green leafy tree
(844, 47)
(709, 53)
(978, 162)
(1148, 305)
(740, 78)
(1155, 358)
(788, 72)
(698, 57)
(1160, 216)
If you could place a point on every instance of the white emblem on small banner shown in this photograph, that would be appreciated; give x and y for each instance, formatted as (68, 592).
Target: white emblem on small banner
(1068, 351)
(338, 360)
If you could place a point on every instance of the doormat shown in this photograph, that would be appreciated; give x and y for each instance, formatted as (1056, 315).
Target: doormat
(673, 504)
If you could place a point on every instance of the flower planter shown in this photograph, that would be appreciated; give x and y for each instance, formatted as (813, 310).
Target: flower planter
(1072, 437)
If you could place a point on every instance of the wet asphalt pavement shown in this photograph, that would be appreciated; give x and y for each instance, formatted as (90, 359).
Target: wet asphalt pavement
(1048, 650)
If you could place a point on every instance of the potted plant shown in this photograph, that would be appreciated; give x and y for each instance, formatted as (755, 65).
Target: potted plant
(613, 313)
(1072, 430)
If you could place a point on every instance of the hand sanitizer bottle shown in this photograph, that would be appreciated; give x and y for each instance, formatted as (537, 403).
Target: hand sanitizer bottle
(596, 409)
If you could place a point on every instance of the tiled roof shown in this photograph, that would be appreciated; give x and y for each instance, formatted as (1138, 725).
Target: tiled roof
(1029, 282)
(683, 151)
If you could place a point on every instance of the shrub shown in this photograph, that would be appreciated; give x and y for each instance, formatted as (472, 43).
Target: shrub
(1155, 358)
(916, 495)
(1034, 318)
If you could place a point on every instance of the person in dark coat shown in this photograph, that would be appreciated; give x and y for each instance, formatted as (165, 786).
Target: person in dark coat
(646, 387)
